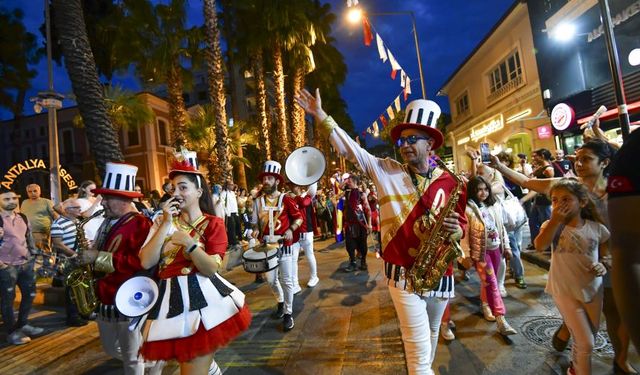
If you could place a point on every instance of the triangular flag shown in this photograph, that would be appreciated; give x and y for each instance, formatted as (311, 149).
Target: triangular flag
(407, 88)
(381, 50)
(369, 130)
(396, 103)
(352, 3)
(403, 78)
(394, 64)
(390, 113)
(376, 130)
(366, 28)
(383, 120)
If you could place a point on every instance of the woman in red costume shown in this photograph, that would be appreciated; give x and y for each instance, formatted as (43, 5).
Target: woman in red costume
(197, 311)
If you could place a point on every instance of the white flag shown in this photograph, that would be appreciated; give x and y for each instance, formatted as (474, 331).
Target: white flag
(403, 78)
(376, 130)
(381, 50)
(352, 3)
(407, 87)
(396, 103)
(390, 113)
(394, 64)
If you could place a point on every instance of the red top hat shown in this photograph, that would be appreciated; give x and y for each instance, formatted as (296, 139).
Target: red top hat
(119, 180)
(185, 162)
(423, 115)
(271, 168)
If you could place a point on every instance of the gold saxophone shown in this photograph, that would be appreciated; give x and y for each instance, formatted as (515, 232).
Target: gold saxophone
(437, 251)
(81, 279)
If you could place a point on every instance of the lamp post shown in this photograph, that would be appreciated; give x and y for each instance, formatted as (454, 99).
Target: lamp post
(52, 101)
(355, 14)
(616, 71)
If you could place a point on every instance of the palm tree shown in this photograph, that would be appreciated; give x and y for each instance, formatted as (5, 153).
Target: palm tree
(201, 135)
(164, 51)
(213, 56)
(86, 85)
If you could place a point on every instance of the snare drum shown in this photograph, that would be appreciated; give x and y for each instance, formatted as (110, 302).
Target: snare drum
(260, 261)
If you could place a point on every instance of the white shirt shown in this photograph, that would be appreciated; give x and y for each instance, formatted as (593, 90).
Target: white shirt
(229, 202)
(570, 273)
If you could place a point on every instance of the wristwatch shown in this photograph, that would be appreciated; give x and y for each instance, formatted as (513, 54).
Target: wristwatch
(192, 248)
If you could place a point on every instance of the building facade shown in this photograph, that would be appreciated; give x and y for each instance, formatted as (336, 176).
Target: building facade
(495, 94)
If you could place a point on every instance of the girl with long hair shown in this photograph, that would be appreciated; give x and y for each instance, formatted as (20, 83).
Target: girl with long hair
(579, 242)
(197, 310)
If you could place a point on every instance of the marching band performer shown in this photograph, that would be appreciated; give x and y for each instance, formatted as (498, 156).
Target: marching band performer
(277, 214)
(304, 200)
(115, 253)
(197, 311)
(409, 195)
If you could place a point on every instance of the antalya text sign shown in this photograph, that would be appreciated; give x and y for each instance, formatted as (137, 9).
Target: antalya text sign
(29, 164)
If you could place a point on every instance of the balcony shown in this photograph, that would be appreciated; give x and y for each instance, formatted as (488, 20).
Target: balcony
(506, 89)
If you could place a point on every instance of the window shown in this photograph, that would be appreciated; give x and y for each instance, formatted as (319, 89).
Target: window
(163, 133)
(505, 76)
(462, 104)
(67, 142)
(133, 138)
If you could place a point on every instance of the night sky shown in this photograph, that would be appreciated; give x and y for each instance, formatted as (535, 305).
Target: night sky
(447, 30)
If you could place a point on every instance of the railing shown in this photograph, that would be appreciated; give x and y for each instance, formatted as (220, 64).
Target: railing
(502, 91)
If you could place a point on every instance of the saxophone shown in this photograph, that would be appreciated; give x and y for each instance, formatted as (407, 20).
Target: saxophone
(81, 280)
(437, 251)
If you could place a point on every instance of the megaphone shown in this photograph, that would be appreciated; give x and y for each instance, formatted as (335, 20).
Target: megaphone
(136, 296)
(305, 166)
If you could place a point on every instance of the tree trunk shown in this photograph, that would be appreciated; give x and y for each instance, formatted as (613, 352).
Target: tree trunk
(177, 110)
(261, 103)
(215, 75)
(298, 129)
(281, 108)
(85, 82)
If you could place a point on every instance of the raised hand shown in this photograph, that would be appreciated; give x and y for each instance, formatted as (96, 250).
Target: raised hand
(312, 105)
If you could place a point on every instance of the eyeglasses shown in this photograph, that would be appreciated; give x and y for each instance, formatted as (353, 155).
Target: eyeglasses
(411, 140)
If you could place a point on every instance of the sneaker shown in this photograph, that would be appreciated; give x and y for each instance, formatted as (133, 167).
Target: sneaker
(520, 283)
(452, 324)
(279, 313)
(313, 282)
(488, 315)
(31, 330)
(351, 267)
(503, 292)
(504, 328)
(18, 338)
(287, 322)
(297, 289)
(446, 333)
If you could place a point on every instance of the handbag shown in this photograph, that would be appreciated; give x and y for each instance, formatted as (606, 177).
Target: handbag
(514, 215)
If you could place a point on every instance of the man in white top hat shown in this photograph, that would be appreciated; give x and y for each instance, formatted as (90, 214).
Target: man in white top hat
(115, 255)
(279, 218)
(411, 197)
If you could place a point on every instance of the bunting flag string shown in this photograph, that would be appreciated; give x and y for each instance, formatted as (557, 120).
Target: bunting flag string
(352, 3)
(389, 114)
(366, 28)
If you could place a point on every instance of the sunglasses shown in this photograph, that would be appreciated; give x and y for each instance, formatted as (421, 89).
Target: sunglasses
(411, 140)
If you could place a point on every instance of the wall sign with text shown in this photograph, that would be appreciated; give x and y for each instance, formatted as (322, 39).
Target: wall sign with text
(18, 168)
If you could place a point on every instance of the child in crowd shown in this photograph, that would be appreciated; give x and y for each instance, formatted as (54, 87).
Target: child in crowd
(579, 249)
(488, 242)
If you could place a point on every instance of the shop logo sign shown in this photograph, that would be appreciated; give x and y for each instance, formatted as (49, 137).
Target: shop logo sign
(562, 116)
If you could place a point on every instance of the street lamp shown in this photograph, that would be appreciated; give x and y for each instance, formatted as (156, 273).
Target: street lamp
(355, 14)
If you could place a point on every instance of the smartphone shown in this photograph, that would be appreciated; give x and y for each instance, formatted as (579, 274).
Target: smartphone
(485, 153)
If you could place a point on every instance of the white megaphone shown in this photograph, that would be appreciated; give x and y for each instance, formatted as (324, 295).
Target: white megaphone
(136, 296)
(305, 166)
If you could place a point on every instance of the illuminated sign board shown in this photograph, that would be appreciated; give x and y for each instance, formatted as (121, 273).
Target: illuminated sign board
(562, 116)
(490, 126)
(29, 164)
(544, 132)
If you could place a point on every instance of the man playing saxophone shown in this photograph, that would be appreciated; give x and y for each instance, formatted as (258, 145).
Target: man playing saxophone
(114, 254)
(411, 196)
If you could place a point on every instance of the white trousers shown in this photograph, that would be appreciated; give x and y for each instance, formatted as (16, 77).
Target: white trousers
(583, 321)
(120, 343)
(281, 279)
(306, 243)
(419, 319)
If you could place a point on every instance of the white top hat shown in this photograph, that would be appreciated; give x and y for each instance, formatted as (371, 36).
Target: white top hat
(271, 168)
(423, 115)
(185, 162)
(120, 180)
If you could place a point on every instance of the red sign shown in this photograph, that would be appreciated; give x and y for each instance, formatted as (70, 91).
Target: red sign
(544, 132)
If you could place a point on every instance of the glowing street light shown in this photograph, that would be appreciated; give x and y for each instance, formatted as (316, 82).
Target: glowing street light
(354, 15)
(564, 32)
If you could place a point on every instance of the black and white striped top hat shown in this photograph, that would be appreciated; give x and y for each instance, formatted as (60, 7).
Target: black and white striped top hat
(271, 168)
(423, 115)
(119, 180)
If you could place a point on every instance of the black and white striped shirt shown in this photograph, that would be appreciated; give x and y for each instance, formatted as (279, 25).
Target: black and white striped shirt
(65, 229)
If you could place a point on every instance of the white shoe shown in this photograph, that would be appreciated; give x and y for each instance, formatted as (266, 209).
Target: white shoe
(31, 330)
(504, 328)
(18, 338)
(446, 332)
(297, 289)
(313, 282)
(488, 315)
(503, 292)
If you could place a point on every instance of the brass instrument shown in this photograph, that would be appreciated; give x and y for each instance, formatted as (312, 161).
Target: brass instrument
(81, 279)
(437, 251)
